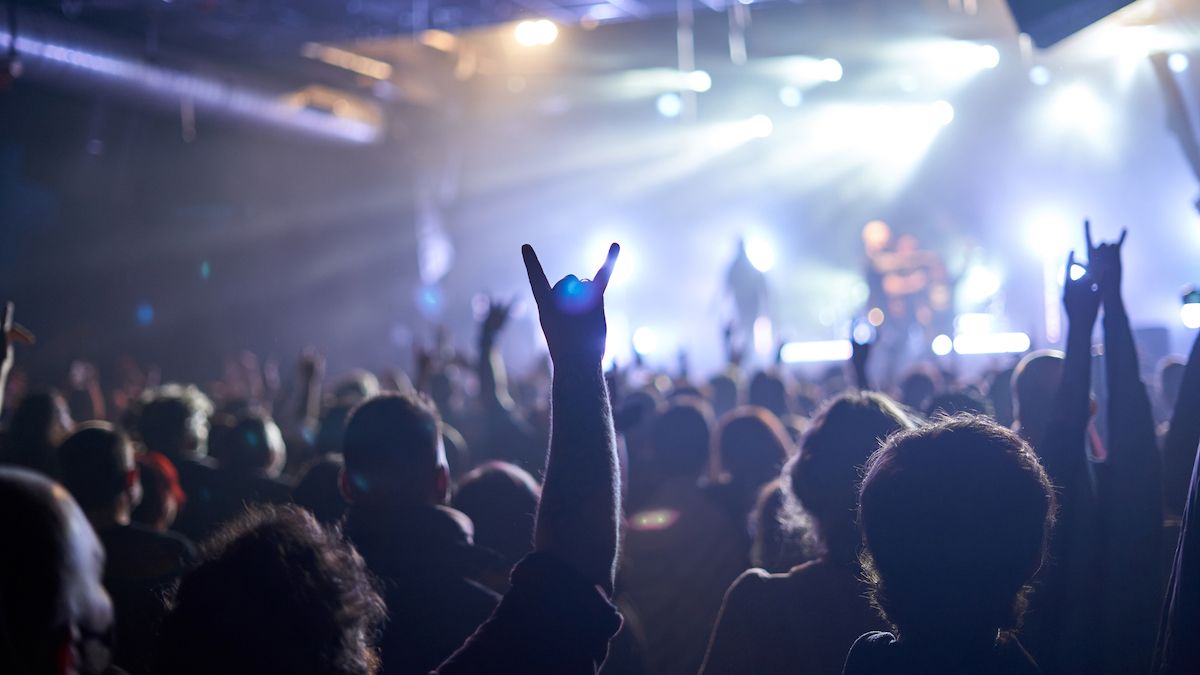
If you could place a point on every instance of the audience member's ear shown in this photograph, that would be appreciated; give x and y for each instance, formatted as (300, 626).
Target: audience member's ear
(346, 486)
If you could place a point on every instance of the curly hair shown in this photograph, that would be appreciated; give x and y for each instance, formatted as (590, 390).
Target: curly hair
(955, 518)
(277, 592)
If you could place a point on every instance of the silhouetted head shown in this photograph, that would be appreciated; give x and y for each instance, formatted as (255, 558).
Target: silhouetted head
(823, 477)
(98, 469)
(331, 432)
(724, 393)
(162, 495)
(55, 617)
(955, 517)
(751, 446)
(320, 492)
(255, 446)
(276, 593)
(393, 452)
(681, 438)
(355, 387)
(39, 423)
(769, 391)
(173, 420)
(918, 387)
(501, 500)
(1035, 389)
(1170, 379)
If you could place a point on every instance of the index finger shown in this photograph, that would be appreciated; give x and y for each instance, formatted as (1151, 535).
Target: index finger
(1121, 241)
(6, 324)
(605, 273)
(1087, 233)
(537, 276)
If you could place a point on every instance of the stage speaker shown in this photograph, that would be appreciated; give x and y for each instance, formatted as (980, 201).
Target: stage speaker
(1049, 21)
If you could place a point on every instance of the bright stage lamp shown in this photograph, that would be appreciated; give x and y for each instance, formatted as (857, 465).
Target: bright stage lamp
(535, 33)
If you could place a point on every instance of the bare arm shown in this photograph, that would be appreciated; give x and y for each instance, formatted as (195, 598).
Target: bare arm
(578, 518)
(10, 334)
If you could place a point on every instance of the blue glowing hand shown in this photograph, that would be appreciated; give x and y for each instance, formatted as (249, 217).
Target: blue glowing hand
(572, 311)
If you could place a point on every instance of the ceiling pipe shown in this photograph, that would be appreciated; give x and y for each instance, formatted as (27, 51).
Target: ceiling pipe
(59, 54)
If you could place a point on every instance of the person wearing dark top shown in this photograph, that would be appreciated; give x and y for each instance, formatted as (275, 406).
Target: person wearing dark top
(397, 482)
(1131, 494)
(252, 459)
(750, 448)
(98, 469)
(1183, 435)
(557, 618)
(38, 424)
(55, 616)
(805, 620)
(277, 592)
(1177, 651)
(318, 490)
(955, 517)
(500, 499)
(173, 420)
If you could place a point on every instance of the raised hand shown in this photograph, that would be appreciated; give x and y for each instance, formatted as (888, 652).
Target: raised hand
(496, 318)
(1081, 296)
(572, 311)
(1105, 263)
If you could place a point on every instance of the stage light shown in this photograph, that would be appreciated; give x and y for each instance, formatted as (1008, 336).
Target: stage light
(1189, 313)
(1039, 75)
(791, 97)
(1049, 237)
(698, 81)
(645, 341)
(536, 33)
(1177, 62)
(862, 333)
(669, 105)
(942, 113)
(875, 317)
(760, 126)
(831, 70)
(144, 314)
(761, 253)
(992, 343)
(942, 345)
(205, 270)
(978, 285)
(974, 323)
(988, 57)
(823, 351)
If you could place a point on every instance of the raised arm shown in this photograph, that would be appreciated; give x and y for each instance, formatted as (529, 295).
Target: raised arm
(10, 333)
(1062, 451)
(1183, 436)
(556, 617)
(493, 381)
(577, 520)
(1132, 499)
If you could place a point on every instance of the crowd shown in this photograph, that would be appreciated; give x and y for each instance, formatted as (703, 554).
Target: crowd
(756, 522)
